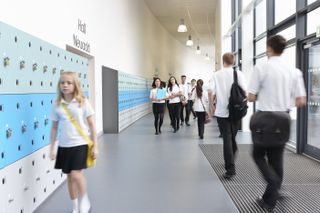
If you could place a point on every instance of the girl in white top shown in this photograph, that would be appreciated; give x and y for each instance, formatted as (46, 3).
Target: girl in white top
(174, 91)
(72, 148)
(200, 99)
(158, 103)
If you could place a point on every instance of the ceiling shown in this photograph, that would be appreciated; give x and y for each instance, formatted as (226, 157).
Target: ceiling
(199, 16)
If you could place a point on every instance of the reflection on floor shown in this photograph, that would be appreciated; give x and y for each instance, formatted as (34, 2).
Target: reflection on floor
(140, 172)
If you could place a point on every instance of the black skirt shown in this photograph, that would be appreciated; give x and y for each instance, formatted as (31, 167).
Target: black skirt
(71, 158)
(158, 108)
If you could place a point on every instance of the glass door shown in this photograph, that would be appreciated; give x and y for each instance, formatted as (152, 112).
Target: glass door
(312, 144)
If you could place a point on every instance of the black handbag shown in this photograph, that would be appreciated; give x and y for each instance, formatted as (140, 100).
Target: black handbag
(207, 118)
(270, 129)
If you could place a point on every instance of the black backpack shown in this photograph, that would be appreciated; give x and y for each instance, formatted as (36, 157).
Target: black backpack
(238, 104)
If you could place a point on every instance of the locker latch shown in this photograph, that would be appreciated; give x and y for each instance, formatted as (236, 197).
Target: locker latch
(46, 121)
(9, 133)
(36, 124)
(34, 66)
(22, 64)
(6, 61)
(54, 70)
(23, 128)
(45, 68)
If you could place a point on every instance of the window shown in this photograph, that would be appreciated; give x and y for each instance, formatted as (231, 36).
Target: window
(261, 18)
(261, 46)
(261, 60)
(313, 21)
(311, 1)
(284, 9)
(289, 56)
(289, 33)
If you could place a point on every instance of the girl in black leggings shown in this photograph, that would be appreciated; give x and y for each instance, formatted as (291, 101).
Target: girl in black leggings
(158, 96)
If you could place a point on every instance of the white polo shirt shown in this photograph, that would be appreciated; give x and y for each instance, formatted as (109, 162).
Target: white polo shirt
(153, 94)
(185, 90)
(197, 105)
(68, 134)
(276, 85)
(220, 84)
(175, 89)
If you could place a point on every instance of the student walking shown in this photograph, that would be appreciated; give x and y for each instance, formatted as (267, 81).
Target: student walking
(190, 102)
(73, 147)
(200, 98)
(158, 96)
(174, 91)
(220, 85)
(184, 100)
(275, 85)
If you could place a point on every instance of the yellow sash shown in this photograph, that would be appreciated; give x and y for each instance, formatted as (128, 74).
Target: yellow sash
(90, 161)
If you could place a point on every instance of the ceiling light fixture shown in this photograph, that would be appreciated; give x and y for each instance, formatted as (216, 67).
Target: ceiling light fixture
(189, 42)
(207, 57)
(198, 51)
(182, 28)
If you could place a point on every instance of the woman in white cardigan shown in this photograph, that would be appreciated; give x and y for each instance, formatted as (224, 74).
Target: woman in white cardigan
(200, 99)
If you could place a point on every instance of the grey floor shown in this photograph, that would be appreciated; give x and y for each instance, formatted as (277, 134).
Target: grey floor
(139, 172)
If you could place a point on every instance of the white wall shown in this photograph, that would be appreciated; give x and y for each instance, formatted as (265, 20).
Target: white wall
(123, 35)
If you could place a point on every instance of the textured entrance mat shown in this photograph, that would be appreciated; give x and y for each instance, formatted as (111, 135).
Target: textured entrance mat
(301, 180)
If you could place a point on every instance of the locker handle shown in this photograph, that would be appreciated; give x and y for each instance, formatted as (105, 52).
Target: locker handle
(23, 128)
(34, 66)
(22, 64)
(45, 69)
(26, 188)
(38, 178)
(48, 171)
(6, 61)
(11, 200)
(9, 133)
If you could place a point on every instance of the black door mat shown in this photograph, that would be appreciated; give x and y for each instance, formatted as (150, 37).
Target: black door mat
(301, 180)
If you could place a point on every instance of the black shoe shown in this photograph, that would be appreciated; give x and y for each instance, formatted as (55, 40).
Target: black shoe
(187, 124)
(174, 131)
(156, 133)
(201, 137)
(220, 136)
(159, 131)
(181, 124)
(228, 176)
(264, 205)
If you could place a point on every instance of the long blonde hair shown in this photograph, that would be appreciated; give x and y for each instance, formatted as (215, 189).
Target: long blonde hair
(77, 93)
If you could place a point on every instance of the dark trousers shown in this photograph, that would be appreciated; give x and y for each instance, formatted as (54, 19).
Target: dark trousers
(201, 118)
(272, 170)
(189, 110)
(158, 112)
(175, 113)
(183, 108)
(229, 131)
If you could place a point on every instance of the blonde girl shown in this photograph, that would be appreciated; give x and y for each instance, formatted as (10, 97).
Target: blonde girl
(72, 147)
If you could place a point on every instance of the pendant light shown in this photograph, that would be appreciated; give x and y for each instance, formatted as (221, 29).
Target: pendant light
(182, 28)
(189, 42)
(207, 57)
(198, 51)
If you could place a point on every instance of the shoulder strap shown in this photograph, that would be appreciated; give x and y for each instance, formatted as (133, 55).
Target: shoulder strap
(76, 125)
(202, 104)
(235, 77)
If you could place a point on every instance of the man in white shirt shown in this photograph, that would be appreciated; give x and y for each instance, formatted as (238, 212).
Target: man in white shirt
(276, 86)
(190, 102)
(220, 87)
(184, 99)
